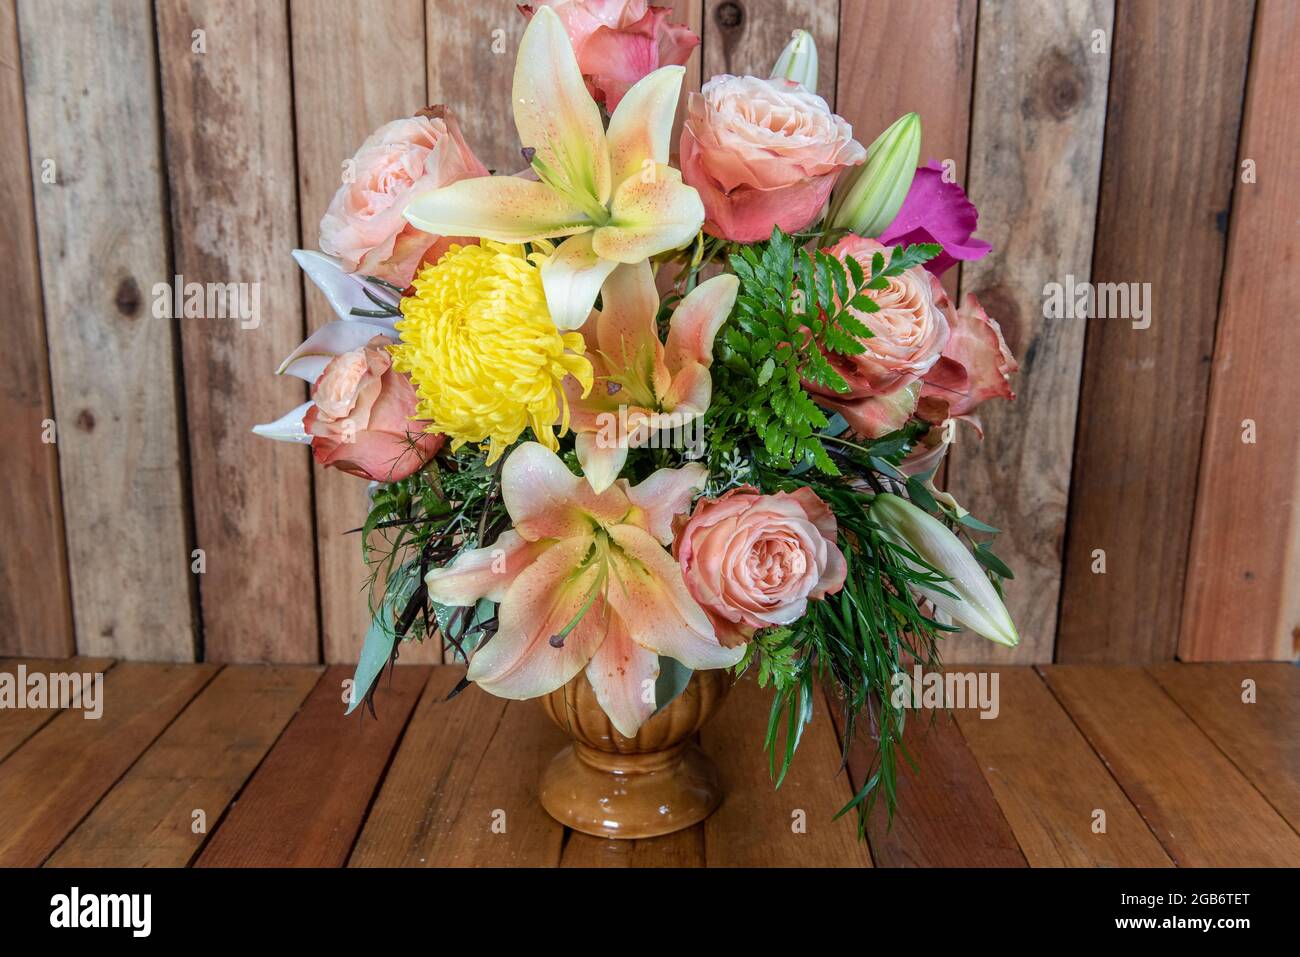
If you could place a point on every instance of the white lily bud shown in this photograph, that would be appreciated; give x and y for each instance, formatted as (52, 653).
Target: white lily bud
(867, 201)
(976, 603)
(798, 61)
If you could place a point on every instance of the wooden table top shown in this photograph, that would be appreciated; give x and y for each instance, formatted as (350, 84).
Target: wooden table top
(251, 765)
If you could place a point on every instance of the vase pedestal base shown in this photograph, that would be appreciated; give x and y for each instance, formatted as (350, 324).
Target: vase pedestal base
(609, 794)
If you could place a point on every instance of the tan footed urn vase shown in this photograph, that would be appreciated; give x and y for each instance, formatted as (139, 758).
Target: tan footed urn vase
(655, 783)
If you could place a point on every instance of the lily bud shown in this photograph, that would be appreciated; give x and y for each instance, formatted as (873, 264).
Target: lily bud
(867, 202)
(976, 605)
(798, 61)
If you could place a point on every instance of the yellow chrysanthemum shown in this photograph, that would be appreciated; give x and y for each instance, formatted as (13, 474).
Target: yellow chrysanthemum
(486, 359)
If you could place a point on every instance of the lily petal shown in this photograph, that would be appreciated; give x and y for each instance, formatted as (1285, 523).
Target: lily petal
(554, 113)
(650, 214)
(546, 500)
(484, 572)
(601, 461)
(623, 675)
(287, 428)
(647, 591)
(571, 278)
(520, 661)
(641, 128)
(696, 321)
(508, 209)
(666, 494)
(345, 291)
(332, 339)
(626, 329)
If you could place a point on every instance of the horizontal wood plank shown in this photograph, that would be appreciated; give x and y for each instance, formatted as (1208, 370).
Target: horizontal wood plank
(196, 766)
(930, 828)
(758, 825)
(19, 724)
(1260, 736)
(462, 790)
(50, 783)
(307, 801)
(1050, 784)
(1203, 810)
(683, 848)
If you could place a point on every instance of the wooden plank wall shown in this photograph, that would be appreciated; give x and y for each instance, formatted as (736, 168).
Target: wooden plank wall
(1110, 140)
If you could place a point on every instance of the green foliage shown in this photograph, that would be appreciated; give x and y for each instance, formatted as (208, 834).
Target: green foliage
(796, 310)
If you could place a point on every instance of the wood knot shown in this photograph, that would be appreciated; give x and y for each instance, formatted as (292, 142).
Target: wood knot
(127, 297)
(86, 420)
(1061, 84)
(729, 15)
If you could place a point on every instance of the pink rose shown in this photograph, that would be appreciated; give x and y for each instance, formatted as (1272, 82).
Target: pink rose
(617, 42)
(976, 363)
(364, 226)
(753, 561)
(361, 418)
(910, 330)
(763, 153)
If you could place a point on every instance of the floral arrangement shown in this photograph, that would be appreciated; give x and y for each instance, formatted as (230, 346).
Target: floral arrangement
(634, 419)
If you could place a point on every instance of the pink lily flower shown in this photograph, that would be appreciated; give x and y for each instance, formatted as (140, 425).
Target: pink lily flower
(644, 387)
(583, 580)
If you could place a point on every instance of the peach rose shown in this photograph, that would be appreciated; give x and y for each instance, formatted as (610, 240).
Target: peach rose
(910, 331)
(617, 42)
(753, 561)
(364, 226)
(763, 153)
(361, 420)
(976, 363)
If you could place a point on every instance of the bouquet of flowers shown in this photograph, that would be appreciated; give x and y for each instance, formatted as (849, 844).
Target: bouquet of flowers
(633, 419)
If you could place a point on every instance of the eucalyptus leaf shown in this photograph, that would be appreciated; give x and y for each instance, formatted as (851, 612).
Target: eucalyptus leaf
(382, 635)
(673, 679)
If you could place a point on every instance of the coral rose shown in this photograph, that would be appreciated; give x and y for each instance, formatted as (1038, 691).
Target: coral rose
(364, 226)
(763, 153)
(753, 561)
(617, 42)
(976, 363)
(910, 331)
(360, 420)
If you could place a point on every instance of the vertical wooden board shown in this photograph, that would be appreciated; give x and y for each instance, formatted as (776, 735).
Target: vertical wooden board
(196, 766)
(758, 825)
(1243, 574)
(690, 13)
(34, 599)
(92, 109)
(471, 67)
(1050, 784)
(50, 783)
(334, 111)
(306, 803)
(881, 45)
(462, 790)
(1036, 136)
(929, 828)
(1205, 813)
(681, 849)
(1176, 81)
(744, 37)
(229, 146)
(19, 724)
(1258, 735)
